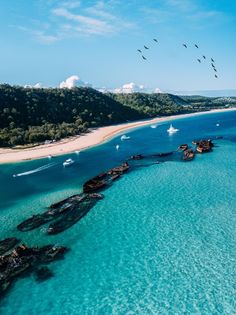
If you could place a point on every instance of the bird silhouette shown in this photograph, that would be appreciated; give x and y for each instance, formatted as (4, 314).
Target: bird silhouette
(196, 46)
(204, 57)
(185, 45)
(212, 64)
(146, 47)
(155, 40)
(212, 60)
(144, 58)
(215, 70)
(216, 76)
(199, 60)
(139, 50)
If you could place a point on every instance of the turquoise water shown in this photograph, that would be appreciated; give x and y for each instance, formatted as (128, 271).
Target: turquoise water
(163, 240)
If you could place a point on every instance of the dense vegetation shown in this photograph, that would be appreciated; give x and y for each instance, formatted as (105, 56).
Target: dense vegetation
(168, 104)
(153, 104)
(29, 115)
(35, 115)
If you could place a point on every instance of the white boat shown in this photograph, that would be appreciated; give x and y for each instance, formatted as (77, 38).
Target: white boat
(217, 125)
(68, 162)
(153, 126)
(172, 130)
(117, 147)
(124, 137)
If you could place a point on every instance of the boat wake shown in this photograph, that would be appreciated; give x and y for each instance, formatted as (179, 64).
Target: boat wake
(172, 130)
(36, 170)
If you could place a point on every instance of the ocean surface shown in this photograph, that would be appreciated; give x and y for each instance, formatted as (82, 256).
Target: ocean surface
(162, 241)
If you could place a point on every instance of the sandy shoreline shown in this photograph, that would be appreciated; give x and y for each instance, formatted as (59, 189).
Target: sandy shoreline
(86, 141)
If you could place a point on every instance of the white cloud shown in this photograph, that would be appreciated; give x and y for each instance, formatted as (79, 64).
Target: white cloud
(102, 89)
(73, 81)
(38, 85)
(157, 90)
(72, 18)
(182, 5)
(205, 15)
(71, 4)
(129, 88)
(41, 36)
(156, 16)
(92, 20)
(186, 10)
(85, 24)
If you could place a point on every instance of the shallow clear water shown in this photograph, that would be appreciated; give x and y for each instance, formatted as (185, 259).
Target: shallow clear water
(162, 241)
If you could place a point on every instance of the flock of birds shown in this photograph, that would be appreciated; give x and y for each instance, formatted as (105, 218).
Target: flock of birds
(186, 47)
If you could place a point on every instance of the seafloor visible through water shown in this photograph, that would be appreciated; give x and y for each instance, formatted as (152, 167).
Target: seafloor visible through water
(162, 241)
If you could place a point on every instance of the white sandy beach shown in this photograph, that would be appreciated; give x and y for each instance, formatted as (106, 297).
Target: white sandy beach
(88, 140)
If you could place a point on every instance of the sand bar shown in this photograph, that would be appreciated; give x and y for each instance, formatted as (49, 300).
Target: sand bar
(78, 143)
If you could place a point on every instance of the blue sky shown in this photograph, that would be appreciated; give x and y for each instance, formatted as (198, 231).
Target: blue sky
(49, 40)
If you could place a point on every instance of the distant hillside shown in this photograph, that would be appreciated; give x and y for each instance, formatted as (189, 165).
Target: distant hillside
(207, 93)
(31, 116)
(199, 103)
(153, 104)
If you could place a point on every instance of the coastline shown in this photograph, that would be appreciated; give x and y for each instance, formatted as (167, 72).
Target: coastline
(91, 139)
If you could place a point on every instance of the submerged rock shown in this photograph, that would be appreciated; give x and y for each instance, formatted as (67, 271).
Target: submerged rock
(23, 258)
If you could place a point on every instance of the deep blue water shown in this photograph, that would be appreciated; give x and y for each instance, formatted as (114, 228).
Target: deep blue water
(163, 240)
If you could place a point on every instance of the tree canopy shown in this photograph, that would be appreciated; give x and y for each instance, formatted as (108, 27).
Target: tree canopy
(31, 116)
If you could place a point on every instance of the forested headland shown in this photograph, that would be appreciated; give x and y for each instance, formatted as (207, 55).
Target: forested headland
(32, 116)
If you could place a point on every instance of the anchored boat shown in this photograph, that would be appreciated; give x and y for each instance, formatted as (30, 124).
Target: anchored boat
(124, 137)
(68, 162)
(172, 130)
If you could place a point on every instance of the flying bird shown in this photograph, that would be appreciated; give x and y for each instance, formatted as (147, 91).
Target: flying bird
(199, 60)
(213, 66)
(215, 70)
(196, 46)
(144, 58)
(145, 47)
(204, 57)
(212, 60)
(185, 45)
(155, 40)
(139, 50)
(216, 76)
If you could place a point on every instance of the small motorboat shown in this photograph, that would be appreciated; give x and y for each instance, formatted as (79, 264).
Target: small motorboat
(68, 162)
(153, 126)
(117, 147)
(124, 137)
(217, 125)
(172, 130)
